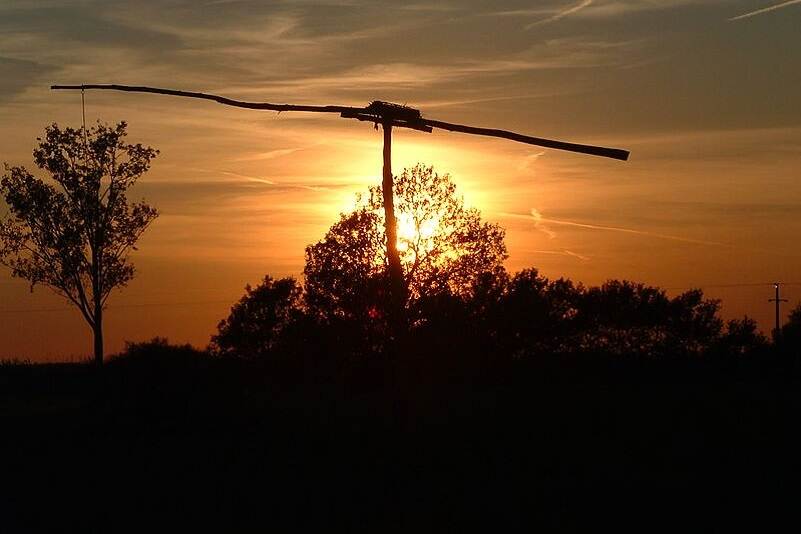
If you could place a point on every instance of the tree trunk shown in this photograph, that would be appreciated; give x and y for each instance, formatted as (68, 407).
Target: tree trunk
(98, 332)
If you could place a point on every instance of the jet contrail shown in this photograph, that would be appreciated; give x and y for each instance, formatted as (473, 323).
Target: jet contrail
(538, 219)
(765, 10)
(562, 14)
(627, 231)
(563, 252)
(248, 178)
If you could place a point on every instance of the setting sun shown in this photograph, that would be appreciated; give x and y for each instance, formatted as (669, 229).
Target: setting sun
(410, 233)
(326, 265)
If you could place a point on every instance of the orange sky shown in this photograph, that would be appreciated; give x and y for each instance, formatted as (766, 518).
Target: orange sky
(707, 105)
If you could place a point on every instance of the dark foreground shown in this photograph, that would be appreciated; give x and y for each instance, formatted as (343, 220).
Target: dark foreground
(183, 442)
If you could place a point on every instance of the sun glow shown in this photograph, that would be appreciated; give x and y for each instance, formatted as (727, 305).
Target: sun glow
(411, 236)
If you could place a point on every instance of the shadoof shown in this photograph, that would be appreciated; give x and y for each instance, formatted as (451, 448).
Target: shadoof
(389, 116)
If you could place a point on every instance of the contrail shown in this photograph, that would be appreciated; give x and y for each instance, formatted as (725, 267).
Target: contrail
(629, 231)
(564, 252)
(538, 218)
(539, 221)
(765, 10)
(271, 154)
(248, 178)
(563, 14)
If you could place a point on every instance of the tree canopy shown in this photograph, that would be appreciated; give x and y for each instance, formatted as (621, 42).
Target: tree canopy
(460, 301)
(256, 323)
(445, 247)
(791, 331)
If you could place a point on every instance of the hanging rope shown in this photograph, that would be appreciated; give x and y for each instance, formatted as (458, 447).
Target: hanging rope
(83, 110)
(83, 126)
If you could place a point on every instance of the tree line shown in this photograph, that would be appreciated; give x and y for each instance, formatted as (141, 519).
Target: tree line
(459, 299)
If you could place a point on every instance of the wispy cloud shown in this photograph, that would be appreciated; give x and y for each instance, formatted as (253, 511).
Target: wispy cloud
(562, 14)
(598, 9)
(614, 8)
(19, 74)
(555, 54)
(765, 10)
(442, 103)
(529, 160)
(281, 185)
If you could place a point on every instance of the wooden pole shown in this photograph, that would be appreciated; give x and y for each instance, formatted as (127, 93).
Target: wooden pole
(397, 291)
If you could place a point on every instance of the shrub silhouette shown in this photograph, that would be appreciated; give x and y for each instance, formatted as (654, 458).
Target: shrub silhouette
(157, 351)
(256, 323)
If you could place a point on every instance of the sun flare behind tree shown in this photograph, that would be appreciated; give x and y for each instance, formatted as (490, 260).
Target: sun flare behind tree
(444, 247)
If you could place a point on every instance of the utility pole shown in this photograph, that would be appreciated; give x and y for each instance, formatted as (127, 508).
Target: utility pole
(778, 330)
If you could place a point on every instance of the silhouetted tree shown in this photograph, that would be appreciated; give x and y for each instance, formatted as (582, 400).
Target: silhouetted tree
(256, 322)
(531, 315)
(622, 317)
(445, 247)
(344, 273)
(791, 331)
(537, 315)
(741, 337)
(463, 309)
(73, 233)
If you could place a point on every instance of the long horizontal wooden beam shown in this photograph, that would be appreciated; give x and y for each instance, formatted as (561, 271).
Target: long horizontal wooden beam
(614, 153)
(215, 98)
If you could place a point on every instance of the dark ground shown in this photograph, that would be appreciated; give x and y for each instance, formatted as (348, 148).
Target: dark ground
(180, 443)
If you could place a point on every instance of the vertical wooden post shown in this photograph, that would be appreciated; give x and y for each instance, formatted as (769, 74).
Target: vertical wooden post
(396, 286)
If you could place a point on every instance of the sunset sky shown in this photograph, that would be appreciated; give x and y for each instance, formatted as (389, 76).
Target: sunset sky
(705, 93)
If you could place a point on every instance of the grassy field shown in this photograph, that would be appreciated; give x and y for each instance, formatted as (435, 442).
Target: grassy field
(178, 441)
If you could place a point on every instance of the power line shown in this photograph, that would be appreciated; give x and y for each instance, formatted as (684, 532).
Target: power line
(118, 306)
(717, 286)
